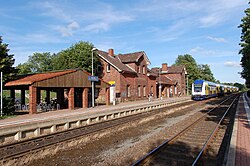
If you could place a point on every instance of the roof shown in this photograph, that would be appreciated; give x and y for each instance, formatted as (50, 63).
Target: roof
(115, 62)
(170, 70)
(151, 73)
(30, 79)
(175, 70)
(133, 57)
(48, 76)
(165, 80)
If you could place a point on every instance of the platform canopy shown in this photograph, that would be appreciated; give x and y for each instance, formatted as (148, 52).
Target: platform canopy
(61, 79)
(76, 82)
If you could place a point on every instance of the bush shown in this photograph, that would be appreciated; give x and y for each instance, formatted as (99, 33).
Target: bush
(8, 106)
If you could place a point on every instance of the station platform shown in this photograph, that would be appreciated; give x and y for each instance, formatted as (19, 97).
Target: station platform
(239, 151)
(66, 113)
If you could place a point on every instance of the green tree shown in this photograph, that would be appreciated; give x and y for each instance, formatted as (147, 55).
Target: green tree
(6, 62)
(206, 73)
(39, 62)
(78, 55)
(242, 87)
(23, 68)
(191, 66)
(245, 47)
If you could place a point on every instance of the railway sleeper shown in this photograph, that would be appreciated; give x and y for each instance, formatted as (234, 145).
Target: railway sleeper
(172, 160)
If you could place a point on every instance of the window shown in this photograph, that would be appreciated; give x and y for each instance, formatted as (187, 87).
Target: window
(152, 90)
(128, 91)
(144, 91)
(108, 68)
(139, 69)
(139, 91)
(143, 69)
(99, 67)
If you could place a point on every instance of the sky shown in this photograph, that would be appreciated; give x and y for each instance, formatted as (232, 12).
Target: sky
(163, 29)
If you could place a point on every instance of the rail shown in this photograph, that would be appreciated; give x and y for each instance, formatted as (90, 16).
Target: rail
(157, 150)
(19, 149)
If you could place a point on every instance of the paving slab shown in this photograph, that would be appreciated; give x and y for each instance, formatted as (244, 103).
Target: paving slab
(239, 152)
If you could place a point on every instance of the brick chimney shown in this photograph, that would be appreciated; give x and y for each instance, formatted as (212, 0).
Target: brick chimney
(164, 67)
(111, 52)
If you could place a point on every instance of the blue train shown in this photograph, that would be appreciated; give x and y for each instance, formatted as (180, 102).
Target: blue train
(202, 89)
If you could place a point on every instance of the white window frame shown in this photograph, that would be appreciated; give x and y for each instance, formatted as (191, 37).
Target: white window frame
(108, 68)
(139, 91)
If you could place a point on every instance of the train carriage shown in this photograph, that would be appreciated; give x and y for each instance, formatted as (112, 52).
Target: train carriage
(202, 89)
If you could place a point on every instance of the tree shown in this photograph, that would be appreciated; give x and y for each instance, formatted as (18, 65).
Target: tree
(6, 62)
(242, 87)
(191, 66)
(78, 55)
(23, 68)
(206, 73)
(245, 47)
(40, 62)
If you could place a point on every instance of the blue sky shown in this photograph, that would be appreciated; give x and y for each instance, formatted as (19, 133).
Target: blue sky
(164, 29)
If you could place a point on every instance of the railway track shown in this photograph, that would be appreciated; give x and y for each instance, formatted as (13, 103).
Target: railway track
(20, 149)
(188, 147)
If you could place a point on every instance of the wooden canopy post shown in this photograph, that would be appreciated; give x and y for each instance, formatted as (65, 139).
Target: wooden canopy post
(22, 97)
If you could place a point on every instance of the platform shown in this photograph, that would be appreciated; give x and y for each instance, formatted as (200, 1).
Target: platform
(33, 125)
(239, 151)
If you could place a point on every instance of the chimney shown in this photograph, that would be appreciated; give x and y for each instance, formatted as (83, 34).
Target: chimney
(111, 52)
(164, 67)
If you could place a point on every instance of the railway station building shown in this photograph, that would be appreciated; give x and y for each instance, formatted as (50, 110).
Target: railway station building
(72, 87)
(128, 75)
(171, 81)
(131, 79)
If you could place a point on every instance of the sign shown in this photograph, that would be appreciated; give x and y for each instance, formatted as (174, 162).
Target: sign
(93, 78)
(111, 82)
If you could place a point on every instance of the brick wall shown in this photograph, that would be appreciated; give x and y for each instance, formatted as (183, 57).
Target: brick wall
(32, 99)
(123, 80)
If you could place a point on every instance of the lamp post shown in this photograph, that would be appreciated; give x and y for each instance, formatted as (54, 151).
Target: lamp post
(93, 88)
(160, 95)
(1, 93)
(187, 86)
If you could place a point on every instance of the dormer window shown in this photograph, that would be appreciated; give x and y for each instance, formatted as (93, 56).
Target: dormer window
(108, 68)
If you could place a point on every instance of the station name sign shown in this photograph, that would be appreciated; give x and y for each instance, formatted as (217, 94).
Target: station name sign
(93, 78)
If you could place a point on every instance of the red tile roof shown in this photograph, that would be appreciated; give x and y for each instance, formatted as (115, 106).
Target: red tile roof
(132, 57)
(165, 80)
(30, 79)
(175, 69)
(115, 62)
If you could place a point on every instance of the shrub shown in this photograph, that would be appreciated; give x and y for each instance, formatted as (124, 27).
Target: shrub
(8, 106)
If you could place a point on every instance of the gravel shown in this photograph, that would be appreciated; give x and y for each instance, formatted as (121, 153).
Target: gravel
(121, 145)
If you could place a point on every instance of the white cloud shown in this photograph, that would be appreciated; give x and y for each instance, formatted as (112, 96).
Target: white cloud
(68, 30)
(97, 27)
(94, 17)
(217, 39)
(200, 51)
(232, 64)
(211, 20)
(54, 10)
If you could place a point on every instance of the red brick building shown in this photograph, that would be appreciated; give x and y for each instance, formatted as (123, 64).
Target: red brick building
(128, 73)
(172, 80)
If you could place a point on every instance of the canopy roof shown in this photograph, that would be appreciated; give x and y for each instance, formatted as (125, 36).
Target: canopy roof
(66, 78)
